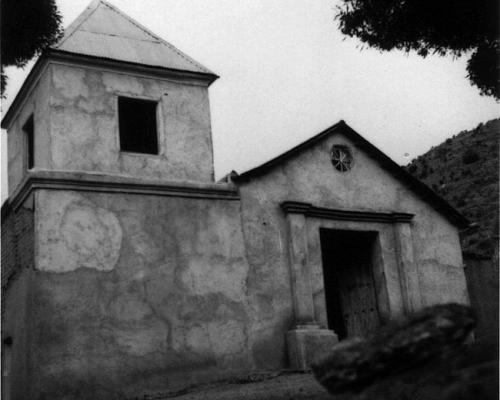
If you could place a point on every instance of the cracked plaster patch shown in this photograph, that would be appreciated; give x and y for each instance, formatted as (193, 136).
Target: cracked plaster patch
(204, 276)
(75, 233)
(70, 82)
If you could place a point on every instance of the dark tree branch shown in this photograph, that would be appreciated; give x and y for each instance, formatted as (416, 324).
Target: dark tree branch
(438, 26)
(26, 28)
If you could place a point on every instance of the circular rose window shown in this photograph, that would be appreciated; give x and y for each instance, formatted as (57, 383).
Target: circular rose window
(341, 158)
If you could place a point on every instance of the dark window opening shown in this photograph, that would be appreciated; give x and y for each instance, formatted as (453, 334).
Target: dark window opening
(28, 129)
(137, 125)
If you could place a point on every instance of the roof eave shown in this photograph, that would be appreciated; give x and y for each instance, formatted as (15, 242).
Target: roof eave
(159, 70)
(263, 168)
(22, 94)
(418, 187)
(86, 60)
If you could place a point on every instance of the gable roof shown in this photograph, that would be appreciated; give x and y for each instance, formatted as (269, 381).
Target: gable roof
(104, 31)
(419, 188)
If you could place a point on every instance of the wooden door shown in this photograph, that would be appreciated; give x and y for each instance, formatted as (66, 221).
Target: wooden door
(349, 286)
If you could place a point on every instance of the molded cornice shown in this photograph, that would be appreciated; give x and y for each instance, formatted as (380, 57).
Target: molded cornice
(64, 57)
(293, 207)
(199, 78)
(88, 182)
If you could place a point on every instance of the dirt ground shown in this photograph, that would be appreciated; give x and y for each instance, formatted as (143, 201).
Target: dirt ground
(273, 386)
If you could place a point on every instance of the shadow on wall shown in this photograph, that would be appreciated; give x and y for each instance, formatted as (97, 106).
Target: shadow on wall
(482, 284)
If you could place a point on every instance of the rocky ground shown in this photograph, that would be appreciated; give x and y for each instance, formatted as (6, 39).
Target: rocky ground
(428, 356)
(425, 384)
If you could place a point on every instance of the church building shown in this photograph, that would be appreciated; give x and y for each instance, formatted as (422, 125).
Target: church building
(126, 269)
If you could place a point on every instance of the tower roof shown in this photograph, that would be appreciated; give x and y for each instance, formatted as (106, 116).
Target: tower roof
(104, 31)
(103, 35)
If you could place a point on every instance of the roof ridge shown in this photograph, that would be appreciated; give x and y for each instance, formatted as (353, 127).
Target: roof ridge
(73, 27)
(130, 19)
(128, 37)
(150, 33)
(293, 149)
(380, 157)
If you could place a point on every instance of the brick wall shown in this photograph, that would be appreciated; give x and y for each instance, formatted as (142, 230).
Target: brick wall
(17, 244)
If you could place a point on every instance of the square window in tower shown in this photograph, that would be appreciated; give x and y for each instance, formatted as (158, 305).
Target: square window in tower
(137, 125)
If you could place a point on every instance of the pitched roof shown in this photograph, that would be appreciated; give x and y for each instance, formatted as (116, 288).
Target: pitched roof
(103, 35)
(419, 188)
(104, 31)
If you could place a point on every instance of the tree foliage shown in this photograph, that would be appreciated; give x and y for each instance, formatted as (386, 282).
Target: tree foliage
(26, 28)
(431, 26)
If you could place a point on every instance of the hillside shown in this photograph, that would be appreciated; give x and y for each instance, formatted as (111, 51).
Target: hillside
(464, 171)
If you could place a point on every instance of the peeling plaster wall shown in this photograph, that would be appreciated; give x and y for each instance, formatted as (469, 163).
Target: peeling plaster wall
(136, 293)
(269, 283)
(17, 271)
(310, 177)
(84, 125)
(38, 105)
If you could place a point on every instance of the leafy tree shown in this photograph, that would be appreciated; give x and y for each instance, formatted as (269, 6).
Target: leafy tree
(432, 26)
(26, 28)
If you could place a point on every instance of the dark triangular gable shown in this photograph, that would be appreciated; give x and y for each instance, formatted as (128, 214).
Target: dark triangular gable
(419, 188)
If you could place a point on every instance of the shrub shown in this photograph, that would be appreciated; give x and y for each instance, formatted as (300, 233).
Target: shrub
(412, 169)
(470, 157)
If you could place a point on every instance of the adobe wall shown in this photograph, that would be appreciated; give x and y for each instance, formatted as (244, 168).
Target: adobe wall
(38, 105)
(310, 177)
(141, 293)
(84, 125)
(17, 244)
(482, 282)
(76, 126)
(9, 246)
(17, 269)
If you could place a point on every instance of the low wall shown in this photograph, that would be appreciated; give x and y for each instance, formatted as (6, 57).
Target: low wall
(482, 283)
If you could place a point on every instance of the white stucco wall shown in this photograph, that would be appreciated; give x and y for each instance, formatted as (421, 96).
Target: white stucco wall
(76, 126)
(84, 125)
(310, 177)
(37, 103)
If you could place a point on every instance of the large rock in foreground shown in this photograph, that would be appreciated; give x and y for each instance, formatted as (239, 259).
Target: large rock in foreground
(428, 337)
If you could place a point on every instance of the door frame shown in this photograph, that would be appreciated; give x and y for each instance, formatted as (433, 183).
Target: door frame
(370, 245)
(394, 270)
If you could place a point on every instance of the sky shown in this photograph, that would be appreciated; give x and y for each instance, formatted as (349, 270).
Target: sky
(287, 73)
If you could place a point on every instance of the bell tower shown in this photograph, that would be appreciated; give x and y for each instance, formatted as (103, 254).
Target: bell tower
(112, 98)
(111, 178)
